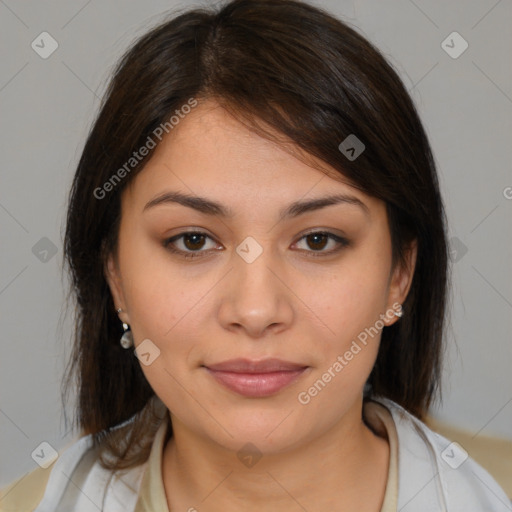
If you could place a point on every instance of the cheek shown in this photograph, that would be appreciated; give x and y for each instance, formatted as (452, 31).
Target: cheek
(167, 309)
(349, 350)
(356, 295)
(171, 308)
(159, 297)
(350, 304)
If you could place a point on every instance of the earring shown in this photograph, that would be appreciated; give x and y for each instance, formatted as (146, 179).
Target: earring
(400, 312)
(127, 337)
(126, 340)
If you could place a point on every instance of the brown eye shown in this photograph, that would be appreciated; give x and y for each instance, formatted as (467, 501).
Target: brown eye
(317, 241)
(194, 241)
(190, 244)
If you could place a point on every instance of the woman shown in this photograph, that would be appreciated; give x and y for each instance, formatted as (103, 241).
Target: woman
(257, 245)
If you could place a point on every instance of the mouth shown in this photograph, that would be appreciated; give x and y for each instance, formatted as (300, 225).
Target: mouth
(256, 379)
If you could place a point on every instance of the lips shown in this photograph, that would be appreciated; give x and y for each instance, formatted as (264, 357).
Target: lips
(256, 379)
(248, 366)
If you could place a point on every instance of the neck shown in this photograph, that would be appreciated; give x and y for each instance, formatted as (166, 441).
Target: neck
(344, 469)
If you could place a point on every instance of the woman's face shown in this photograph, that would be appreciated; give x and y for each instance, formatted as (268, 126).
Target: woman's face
(255, 285)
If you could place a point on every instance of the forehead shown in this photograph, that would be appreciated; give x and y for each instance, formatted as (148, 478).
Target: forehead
(210, 153)
(211, 139)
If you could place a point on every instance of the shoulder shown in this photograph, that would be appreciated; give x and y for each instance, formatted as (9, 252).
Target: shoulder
(76, 481)
(437, 474)
(25, 493)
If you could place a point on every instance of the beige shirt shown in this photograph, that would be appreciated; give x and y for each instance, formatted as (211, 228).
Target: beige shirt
(25, 493)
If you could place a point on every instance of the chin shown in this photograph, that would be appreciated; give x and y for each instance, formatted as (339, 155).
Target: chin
(265, 430)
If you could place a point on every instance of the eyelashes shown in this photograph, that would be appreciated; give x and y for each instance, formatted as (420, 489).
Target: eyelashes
(189, 240)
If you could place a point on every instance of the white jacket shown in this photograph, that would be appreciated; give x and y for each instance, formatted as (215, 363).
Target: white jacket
(434, 475)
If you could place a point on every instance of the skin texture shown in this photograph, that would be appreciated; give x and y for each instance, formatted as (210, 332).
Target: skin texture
(286, 304)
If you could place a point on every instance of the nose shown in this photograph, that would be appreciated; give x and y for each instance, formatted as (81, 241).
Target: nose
(256, 298)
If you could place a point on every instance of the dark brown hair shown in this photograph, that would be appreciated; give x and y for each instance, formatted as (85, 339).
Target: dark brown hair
(280, 67)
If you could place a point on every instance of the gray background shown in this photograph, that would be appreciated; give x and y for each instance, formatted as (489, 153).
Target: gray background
(47, 106)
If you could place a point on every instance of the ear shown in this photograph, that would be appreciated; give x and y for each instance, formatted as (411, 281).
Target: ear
(401, 279)
(113, 277)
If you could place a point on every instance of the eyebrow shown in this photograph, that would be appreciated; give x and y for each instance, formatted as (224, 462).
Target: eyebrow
(209, 207)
